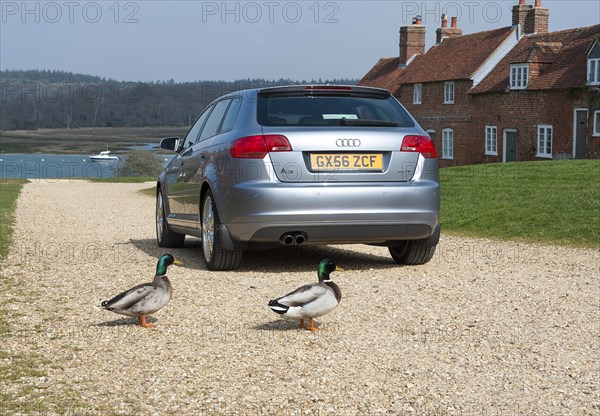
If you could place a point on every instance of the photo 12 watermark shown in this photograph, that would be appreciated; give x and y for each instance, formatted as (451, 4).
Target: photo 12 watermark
(54, 93)
(53, 170)
(470, 11)
(69, 12)
(270, 12)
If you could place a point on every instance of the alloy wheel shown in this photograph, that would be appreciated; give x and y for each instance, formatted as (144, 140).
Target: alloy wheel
(208, 228)
(160, 216)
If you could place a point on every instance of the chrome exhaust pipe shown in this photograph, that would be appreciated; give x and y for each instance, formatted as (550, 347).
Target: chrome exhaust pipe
(287, 239)
(299, 239)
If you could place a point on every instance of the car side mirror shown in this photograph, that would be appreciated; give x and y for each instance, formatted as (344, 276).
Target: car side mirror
(170, 143)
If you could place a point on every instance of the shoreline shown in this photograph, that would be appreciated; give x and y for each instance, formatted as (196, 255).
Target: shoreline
(83, 140)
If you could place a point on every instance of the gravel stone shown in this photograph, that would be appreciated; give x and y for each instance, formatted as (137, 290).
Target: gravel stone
(486, 327)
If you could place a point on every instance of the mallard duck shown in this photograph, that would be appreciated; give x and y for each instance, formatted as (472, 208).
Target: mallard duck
(310, 301)
(147, 298)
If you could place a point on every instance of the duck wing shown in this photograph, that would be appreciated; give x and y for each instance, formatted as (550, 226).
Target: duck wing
(303, 295)
(129, 298)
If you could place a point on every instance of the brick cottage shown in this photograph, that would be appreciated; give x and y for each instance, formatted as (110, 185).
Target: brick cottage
(510, 94)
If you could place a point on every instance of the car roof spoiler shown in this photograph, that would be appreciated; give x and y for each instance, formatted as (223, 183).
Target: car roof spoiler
(336, 90)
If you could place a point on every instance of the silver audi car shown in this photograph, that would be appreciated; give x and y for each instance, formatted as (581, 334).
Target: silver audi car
(293, 165)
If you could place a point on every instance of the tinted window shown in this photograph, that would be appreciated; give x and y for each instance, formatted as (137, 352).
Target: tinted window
(192, 135)
(214, 120)
(322, 110)
(231, 115)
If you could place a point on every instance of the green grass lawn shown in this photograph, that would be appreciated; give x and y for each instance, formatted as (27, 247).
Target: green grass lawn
(546, 202)
(9, 192)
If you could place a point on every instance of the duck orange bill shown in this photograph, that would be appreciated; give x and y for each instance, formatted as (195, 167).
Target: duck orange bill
(178, 262)
(339, 269)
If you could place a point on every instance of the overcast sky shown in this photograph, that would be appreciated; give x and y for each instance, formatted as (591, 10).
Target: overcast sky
(215, 40)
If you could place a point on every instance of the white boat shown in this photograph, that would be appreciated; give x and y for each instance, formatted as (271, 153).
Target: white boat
(103, 156)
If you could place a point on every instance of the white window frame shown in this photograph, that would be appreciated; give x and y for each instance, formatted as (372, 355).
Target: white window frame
(596, 132)
(417, 93)
(448, 144)
(519, 76)
(593, 71)
(449, 92)
(491, 140)
(542, 140)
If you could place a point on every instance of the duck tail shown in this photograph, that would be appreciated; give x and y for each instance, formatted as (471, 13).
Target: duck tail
(278, 307)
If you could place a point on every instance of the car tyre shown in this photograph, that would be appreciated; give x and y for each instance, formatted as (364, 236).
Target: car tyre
(412, 252)
(215, 256)
(165, 237)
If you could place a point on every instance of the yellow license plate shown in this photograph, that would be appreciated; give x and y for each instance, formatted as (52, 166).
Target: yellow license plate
(325, 162)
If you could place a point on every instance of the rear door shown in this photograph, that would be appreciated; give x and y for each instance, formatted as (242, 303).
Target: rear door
(195, 162)
(344, 155)
(339, 137)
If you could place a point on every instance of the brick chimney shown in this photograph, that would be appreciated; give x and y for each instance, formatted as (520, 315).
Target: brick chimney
(537, 19)
(445, 31)
(412, 40)
(532, 19)
(519, 13)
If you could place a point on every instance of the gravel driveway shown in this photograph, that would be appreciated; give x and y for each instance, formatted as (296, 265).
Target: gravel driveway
(486, 328)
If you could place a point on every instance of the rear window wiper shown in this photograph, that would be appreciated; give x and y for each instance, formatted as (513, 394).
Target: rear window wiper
(367, 123)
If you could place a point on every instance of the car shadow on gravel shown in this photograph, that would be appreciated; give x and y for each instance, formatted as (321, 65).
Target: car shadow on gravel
(306, 258)
(292, 259)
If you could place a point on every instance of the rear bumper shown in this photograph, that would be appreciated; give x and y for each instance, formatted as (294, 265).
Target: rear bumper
(332, 213)
(344, 233)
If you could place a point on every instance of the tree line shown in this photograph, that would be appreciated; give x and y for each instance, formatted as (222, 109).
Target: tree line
(33, 99)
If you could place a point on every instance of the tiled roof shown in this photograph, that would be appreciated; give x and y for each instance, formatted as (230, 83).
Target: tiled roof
(383, 75)
(454, 58)
(562, 57)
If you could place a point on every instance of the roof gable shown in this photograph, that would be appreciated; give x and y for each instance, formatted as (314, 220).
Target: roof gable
(383, 75)
(594, 50)
(561, 57)
(455, 58)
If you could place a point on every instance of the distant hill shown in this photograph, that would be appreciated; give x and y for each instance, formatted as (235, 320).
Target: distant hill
(33, 99)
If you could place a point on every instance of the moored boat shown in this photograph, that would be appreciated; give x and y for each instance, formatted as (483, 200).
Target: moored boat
(103, 156)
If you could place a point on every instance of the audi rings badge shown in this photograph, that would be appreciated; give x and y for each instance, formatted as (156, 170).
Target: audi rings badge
(347, 143)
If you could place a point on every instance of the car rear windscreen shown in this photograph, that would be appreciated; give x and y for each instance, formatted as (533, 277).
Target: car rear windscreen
(331, 110)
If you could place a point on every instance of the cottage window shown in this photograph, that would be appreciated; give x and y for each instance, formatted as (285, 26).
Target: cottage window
(449, 92)
(447, 144)
(594, 71)
(597, 123)
(519, 75)
(544, 148)
(593, 65)
(417, 93)
(491, 140)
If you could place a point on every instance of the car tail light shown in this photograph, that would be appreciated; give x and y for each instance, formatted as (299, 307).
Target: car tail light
(277, 143)
(420, 144)
(257, 147)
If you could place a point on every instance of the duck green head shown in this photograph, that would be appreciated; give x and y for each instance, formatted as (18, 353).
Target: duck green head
(164, 262)
(325, 267)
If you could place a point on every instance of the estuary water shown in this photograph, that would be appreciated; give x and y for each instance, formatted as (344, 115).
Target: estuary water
(39, 166)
